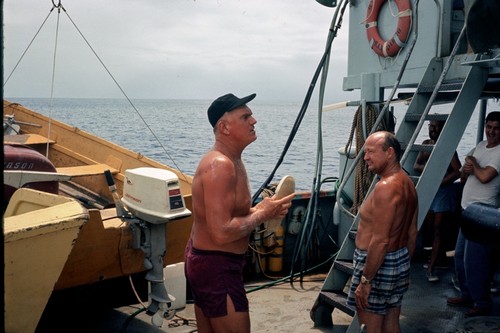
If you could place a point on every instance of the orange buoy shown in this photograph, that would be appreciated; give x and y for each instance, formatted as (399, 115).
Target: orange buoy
(388, 48)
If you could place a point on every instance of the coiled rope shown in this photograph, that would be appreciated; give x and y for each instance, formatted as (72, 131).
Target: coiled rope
(362, 177)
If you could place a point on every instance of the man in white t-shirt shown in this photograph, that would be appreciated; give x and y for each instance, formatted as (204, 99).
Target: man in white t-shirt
(475, 263)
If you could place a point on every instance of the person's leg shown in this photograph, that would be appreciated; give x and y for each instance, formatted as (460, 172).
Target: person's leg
(202, 322)
(460, 265)
(427, 229)
(436, 244)
(478, 271)
(391, 321)
(373, 322)
(233, 322)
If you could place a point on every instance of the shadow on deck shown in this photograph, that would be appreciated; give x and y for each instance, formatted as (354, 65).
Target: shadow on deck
(425, 309)
(283, 309)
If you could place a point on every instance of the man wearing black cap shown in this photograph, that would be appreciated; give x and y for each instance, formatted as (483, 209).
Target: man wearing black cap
(224, 220)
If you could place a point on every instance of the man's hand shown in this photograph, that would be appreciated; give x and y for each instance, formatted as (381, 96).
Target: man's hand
(362, 292)
(470, 163)
(275, 208)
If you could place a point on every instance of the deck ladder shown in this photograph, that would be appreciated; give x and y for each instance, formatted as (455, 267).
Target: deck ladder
(469, 79)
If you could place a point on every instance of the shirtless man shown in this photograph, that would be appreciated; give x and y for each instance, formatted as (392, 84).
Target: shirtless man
(224, 219)
(385, 239)
(444, 200)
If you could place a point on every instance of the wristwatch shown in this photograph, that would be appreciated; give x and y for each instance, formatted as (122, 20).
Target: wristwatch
(364, 280)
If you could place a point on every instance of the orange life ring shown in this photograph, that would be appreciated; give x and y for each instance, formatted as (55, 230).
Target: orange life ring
(388, 48)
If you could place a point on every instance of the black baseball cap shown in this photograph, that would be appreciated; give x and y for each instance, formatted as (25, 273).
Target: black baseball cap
(225, 104)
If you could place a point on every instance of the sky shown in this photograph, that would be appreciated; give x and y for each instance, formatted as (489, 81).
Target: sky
(174, 49)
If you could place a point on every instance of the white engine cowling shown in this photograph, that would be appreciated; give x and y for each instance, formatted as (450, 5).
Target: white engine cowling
(154, 195)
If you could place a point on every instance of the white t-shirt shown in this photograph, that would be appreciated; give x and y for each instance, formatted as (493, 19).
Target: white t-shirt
(474, 190)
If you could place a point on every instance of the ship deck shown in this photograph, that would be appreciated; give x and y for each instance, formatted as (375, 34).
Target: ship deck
(284, 309)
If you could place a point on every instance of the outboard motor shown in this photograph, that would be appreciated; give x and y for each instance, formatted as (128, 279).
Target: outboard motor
(25, 159)
(151, 198)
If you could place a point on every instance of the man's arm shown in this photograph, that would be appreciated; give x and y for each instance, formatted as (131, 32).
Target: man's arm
(419, 162)
(484, 175)
(422, 158)
(413, 232)
(228, 220)
(453, 172)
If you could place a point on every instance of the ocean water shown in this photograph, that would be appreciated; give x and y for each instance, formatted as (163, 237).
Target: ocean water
(177, 133)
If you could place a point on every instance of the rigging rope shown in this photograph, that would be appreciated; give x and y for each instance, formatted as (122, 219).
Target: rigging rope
(59, 6)
(306, 238)
(362, 176)
(128, 99)
(305, 243)
(51, 100)
(29, 45)
(334, 27)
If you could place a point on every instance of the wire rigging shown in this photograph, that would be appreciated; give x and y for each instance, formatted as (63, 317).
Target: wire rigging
(303, 109)
(29, 45)
(54, 62)
(59, 6)
(309, 226)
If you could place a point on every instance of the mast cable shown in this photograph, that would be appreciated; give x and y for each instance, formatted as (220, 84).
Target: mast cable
(307, 230)
(60, 6)
(51, 100)
(127, 98)
(29, 45)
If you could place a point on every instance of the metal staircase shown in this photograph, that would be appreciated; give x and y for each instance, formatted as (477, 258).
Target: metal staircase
(462, 77)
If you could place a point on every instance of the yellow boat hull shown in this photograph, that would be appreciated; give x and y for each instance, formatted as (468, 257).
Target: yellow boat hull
(40, 230)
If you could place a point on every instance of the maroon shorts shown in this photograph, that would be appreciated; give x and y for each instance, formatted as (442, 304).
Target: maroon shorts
(212, 276)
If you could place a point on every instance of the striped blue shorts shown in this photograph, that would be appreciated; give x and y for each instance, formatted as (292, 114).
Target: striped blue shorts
(389, 284)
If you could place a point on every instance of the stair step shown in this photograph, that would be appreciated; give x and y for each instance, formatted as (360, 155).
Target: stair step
(486, 63)
(443, 97)
(414, 179)
(337, 300)
(345, 266)
(450, 86)
(352, 234)
(418, 147)
(424, 148)
(415, 117)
